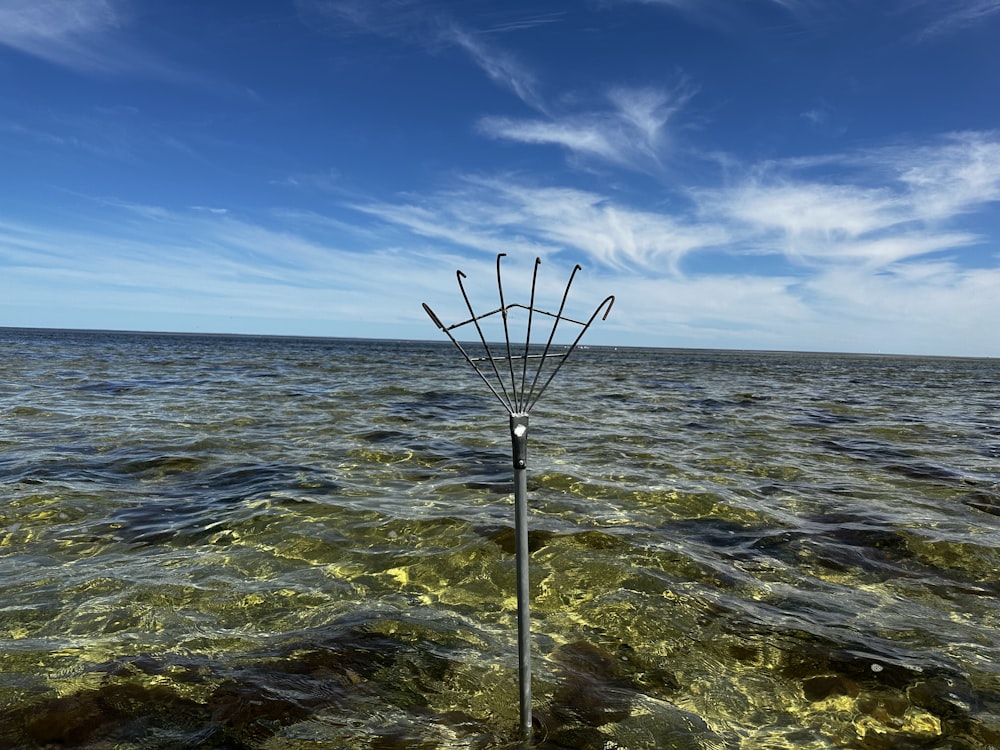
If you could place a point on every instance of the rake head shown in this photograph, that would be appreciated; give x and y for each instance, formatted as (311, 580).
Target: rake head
(518, 373)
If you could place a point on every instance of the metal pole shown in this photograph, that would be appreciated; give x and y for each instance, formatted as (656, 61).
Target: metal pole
(519, 440)
(518, 403)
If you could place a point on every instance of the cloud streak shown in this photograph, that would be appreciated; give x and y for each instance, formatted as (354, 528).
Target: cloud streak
(91, 37)
(952, 16)
(489, 213)
(434, 27)
(630, 131)
(899, 206)
(501, 67)
(903, 203)
(71, 33)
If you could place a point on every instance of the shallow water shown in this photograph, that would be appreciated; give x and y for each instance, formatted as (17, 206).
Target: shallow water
(244, 542)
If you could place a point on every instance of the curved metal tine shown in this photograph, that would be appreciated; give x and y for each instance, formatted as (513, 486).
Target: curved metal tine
(489, 355)
(552, 334)
(609, 301)
(468, 359)
(527, 338)
(506, 336)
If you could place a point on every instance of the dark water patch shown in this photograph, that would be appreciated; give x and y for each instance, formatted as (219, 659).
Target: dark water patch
(926, 472)
(713, 405)
(56, 472)
(442, 406)
(121, 712)
(594, 689)
(697, 426)
(155, 465)
(504, 537)
(986, 502)
(710, 405)
(122, 386)
(384, 436)
(843, 541)
(342, 671)
(107, 387)
(615, 397)
(155, 521)
(823, 419)
(836, 541)
(212, 503)
(470, 457)
(599, 690)
(735, 539)
(895, 460)
(867, 449)
(252, 480)
(496, 488)
(750, 399)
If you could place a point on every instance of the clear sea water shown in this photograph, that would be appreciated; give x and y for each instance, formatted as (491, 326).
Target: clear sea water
(243, 542)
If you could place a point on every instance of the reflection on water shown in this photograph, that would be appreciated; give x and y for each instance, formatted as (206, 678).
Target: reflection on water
(279, 543)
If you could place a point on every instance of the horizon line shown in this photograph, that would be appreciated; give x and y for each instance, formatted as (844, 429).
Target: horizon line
(223, 334)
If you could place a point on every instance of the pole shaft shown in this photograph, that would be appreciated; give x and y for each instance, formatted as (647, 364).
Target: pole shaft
(519, 438)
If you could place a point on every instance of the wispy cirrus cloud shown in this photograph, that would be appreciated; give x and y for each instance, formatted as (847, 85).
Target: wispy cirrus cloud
(147, 261)
(868, 209)
(433, 26)
(502, 68)
(934, 18)
(730, 15)
(628, 127)
(87, 36)
(951, 177)
(903, 201)
(630, 131)
(861, 251)
(490, 213)
(71, 33)
(952, 16)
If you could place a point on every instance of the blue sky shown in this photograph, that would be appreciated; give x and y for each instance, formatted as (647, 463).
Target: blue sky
(752, 174)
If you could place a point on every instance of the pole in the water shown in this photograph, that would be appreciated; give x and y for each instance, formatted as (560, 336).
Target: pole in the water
(510, 384)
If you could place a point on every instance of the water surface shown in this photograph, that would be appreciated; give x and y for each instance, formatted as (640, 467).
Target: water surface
(248, 542)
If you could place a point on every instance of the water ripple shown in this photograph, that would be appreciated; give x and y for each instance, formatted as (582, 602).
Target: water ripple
(251, 542)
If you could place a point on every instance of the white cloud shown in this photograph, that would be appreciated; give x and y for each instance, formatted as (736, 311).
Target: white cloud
(78, 34)
(882, 208)
(166, 265)
(501, 214)
(845, 252)
(922, 307)
(951, 178)
(433, 28)
(725, 13)
(873, 208)
(501, 67)
(950, 16)
(630, 132)
(66, 32)
(87, 36)
(797, 208)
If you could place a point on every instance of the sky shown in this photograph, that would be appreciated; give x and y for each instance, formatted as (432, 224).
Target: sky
(740, 174)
